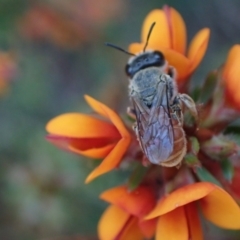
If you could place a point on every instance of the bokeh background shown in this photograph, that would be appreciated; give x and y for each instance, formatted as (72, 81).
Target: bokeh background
(51, 53)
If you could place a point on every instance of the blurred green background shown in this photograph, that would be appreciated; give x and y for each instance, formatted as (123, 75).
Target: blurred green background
(51, 53)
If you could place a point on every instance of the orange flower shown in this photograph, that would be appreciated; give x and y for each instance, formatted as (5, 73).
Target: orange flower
(231, 73)
(178, 217)
(123, 220)
(91, 136)
(169, 36)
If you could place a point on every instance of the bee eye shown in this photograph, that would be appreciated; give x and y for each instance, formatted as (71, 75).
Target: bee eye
(128, 70)
(159, 58)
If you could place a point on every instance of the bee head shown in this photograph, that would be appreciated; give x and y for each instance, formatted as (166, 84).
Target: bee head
(144, 60)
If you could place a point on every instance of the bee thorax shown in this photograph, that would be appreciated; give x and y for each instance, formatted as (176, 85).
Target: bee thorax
(145, 82)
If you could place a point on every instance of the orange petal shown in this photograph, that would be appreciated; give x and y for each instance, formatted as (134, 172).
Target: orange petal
(107, 227)
(173, 225)
(78, 125)
(138, 202)
(160, 36)
(132, 231)
(231, 81)
(195, 229)
(110, 114)
(198, 48)
(178, 61)
(136, 48)
(95, 152)
(111, 161)
(232, 58)
(231, 94)
(177, 29)
(181, 197)
(220, 208)
(117, 224)
(148, 227)
(94, 148)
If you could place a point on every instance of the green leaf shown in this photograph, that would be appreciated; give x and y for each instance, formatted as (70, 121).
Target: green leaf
(208, 87)
(195, 94)
(205, 176)
(137, 177)
(228, 170)
(194, 145)
(191, 160)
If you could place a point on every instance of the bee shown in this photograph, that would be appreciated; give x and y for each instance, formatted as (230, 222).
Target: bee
(157, 106)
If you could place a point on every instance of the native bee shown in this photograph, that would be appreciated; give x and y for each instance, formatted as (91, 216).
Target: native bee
(157, 107)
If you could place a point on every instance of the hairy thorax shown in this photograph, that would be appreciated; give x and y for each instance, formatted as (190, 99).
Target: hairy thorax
(145, 83)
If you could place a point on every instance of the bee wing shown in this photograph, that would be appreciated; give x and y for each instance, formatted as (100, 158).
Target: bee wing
(155, 130)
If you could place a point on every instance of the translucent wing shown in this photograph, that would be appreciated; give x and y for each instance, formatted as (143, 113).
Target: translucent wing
(154, 126)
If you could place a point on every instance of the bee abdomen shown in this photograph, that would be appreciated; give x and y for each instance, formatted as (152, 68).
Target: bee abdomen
(179, 148)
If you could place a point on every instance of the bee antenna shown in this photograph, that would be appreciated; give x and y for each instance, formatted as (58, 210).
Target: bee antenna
(148, 36)
(118, 48)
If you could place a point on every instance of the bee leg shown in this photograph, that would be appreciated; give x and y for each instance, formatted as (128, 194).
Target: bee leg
(131, 113)
(189, 104)
(135, 129)
(177, 110)
(178, 116)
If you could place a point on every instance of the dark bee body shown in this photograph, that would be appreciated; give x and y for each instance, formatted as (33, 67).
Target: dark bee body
(153, 94)
(158, 109)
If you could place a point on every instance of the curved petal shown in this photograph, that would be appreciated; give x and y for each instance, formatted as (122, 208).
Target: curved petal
(195, 229)
(178, 61)
(132, 231)
(95, 148)
(232, 96)
(107, 227)
(148, 227)
(135, 48)
(125, 228)
(78, 125)
(231, 81)
(220, 208)
(177, 29)
(198, 48)
(111, 161)
(173, 225)
(232, 57)
(160, 35)
(138, 202)
(181, 197)
(110, 114)
(94, 152)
